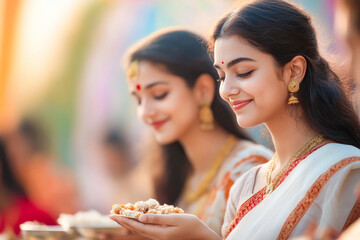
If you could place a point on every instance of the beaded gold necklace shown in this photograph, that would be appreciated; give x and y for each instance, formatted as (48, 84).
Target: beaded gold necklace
(270, 186)
(191, 196)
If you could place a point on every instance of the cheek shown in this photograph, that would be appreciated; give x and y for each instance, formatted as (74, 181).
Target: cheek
(186, 111)
(267, 92)
(180, 106)
(273, 101)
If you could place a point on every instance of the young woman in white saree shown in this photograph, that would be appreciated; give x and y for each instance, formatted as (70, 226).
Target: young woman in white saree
(271, 72)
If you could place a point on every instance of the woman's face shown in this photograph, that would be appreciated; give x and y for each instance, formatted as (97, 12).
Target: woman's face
(165, 102)
(249, 81)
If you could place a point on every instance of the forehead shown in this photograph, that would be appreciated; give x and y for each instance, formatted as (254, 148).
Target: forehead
(147, 71)
(229, 48)
(152, 74)
(146, 67)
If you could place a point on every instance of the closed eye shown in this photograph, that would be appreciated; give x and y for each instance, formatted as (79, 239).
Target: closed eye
(242, 75)
(159, 97)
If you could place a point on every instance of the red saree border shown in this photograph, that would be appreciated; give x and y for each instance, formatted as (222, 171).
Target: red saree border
(257, 198)
(310, 196)
(353, 216)
(227, 181)
(257, 157)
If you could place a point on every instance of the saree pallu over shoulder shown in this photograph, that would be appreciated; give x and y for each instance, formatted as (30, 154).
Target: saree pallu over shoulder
(257, 198)
(317, 187)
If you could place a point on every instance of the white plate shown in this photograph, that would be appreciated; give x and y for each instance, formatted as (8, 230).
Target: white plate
(92, 232)
(45, 232)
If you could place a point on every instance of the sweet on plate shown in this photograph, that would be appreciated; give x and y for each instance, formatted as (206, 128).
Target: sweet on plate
(150, 206)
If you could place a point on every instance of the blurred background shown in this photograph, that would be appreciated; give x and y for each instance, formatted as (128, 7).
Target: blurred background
(66, 117)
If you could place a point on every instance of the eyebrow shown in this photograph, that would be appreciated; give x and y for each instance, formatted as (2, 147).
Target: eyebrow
(235, 61)
(151, 85)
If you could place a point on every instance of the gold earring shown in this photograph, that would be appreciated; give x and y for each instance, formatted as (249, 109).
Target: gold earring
(206, 117)
(293, 87)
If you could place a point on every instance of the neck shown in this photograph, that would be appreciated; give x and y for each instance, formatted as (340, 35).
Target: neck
(288, 136)
(201, 147)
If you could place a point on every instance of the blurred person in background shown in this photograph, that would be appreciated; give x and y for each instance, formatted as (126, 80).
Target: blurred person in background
(15, 206)
(122, 171)
(48, 183)
(115, 151)
(171, 77)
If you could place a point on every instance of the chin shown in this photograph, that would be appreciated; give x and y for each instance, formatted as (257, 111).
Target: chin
(164, 140)
(245, 123)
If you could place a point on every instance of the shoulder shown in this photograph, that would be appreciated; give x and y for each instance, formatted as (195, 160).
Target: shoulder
(342, 150)
(247, 178)
(243, 186)
(244, 156)
(248, 153)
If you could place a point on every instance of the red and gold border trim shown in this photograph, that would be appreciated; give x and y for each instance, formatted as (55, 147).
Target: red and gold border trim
(310, 196)
(257, 198)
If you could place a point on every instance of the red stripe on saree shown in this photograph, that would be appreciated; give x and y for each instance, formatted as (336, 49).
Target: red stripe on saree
(257, 198)
(310, 196)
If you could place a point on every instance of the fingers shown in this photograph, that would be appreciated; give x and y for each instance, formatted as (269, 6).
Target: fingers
(168, 220)
(123, 221)
(148, 230)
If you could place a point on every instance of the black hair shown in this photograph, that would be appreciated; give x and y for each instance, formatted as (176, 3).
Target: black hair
(8, 178)
(33, 134)
(184, 54)
(284, 31)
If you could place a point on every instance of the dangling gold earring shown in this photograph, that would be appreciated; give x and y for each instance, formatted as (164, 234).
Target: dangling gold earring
(293, 87)
(206, 117)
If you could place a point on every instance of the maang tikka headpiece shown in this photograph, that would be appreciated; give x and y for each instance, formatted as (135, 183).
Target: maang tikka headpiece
(133, 70)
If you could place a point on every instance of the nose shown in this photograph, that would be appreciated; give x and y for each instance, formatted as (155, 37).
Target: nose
(146, 111)
(228, 88)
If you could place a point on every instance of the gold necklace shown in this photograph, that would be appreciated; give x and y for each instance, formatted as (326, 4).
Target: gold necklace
(191, 196)
(270, 186)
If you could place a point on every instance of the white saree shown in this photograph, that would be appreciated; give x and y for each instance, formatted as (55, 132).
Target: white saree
(319, 189)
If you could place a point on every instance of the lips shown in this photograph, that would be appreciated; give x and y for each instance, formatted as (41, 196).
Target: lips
(158, 124)
(237, 105)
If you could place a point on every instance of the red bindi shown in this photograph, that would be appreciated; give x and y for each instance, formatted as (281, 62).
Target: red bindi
(138, 87)
(222, 62)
